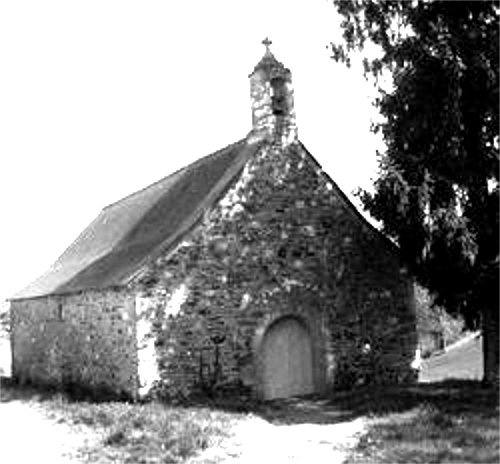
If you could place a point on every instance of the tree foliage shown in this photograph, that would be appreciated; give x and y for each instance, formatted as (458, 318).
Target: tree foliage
(437, 193)
(437, 189)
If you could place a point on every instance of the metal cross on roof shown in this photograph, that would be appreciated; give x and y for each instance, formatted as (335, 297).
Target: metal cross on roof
(267, 43)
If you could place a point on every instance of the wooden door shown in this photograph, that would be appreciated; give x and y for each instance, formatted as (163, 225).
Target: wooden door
(287, 358)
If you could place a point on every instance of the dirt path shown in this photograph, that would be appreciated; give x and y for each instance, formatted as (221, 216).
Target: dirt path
(259, 441)
(29, 435)
(304, 433)
(297, 443)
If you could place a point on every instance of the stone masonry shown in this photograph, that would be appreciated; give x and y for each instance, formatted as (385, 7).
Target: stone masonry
(282, 242)
(86, 339)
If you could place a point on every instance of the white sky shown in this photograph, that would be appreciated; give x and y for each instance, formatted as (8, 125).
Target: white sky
(101, 98)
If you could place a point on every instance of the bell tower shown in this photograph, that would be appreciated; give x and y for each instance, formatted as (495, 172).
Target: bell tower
(273, 115)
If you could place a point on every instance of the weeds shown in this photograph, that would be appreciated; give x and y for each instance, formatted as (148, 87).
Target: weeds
(149, 433)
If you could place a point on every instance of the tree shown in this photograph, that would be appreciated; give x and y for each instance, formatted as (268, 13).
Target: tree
(437, 192)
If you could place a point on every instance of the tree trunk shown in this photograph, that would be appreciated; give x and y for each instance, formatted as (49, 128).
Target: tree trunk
(490, 345)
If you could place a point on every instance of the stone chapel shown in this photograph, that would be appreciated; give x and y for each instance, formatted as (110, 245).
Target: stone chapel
(247, 271)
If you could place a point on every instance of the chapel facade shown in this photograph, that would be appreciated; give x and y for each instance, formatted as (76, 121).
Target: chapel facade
(247, 271)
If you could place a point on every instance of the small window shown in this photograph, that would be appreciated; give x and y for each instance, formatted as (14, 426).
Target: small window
(60, 312)
(279, 96)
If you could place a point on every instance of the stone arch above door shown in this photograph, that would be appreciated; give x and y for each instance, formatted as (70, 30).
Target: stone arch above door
(286, 359)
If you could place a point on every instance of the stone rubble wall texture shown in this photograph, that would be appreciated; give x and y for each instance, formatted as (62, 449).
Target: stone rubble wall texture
(281, 242)
(86, 339)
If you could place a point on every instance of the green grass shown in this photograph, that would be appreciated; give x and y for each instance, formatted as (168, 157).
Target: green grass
(463, 362)
(425, 435)
(149, 433)
(132, 432)
(450, 422)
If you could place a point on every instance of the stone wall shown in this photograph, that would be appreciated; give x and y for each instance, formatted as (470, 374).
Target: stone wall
(282, 241)
(373, 327)
(86, 339)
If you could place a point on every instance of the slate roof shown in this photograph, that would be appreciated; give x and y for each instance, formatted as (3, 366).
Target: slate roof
(126, 234)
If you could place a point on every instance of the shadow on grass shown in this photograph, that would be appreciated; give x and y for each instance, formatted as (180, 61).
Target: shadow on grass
(450, 421)
(451, 397)
(10, 390)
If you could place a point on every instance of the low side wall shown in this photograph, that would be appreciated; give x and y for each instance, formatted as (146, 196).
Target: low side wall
(85, 339)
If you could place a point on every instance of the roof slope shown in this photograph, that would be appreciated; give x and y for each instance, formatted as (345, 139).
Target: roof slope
(126, 234)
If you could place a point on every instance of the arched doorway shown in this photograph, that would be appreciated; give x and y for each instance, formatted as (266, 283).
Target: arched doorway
(287, 360)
